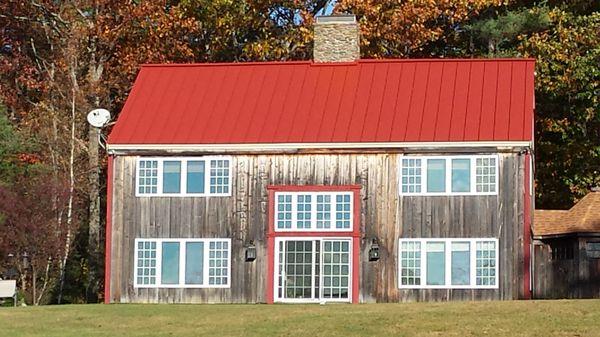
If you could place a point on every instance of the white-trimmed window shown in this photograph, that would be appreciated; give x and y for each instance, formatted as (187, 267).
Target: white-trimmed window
(448, 263)
(182, 263)
(449, 175)
(313, 211)
(175, 176)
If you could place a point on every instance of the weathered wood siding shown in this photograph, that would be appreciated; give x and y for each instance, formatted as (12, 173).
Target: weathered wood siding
(575, 278)
(384, 215)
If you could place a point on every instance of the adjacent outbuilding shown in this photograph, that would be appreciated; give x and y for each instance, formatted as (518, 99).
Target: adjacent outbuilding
(567, 250)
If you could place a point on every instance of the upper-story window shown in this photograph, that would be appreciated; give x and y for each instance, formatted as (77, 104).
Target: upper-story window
(313, 211)
(449, 175)
(193, 176)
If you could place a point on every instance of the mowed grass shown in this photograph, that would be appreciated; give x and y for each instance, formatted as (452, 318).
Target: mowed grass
(514, 318)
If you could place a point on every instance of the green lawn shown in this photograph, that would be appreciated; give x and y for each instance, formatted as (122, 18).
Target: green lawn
(522, 318)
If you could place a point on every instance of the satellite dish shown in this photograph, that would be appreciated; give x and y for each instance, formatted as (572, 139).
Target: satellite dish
(98, 117)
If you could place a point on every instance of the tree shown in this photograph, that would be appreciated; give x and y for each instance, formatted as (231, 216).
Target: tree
(406, 28)
(567, 105)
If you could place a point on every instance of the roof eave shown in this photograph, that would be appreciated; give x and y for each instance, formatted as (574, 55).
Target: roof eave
(287, 147)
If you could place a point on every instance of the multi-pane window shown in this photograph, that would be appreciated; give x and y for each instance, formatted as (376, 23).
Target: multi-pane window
(218, 262)
(284, 211)
(486, 263)
(336, 269)
(448, 263)
(411, 175)
(410, 263)
(219, 176)
(449, 175)
(194, 176)
(303, 211)
(147, 181)
(485, 176)
(146, 263)
(323, 211)
(182, 263)
(342, 211)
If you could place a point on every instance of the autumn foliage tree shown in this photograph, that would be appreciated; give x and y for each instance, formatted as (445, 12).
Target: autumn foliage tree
(404, 28)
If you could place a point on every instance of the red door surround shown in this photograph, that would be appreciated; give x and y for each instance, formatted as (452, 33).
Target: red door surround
(272, 234)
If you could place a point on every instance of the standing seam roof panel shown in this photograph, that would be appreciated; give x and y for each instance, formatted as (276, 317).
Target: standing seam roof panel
(301, 102)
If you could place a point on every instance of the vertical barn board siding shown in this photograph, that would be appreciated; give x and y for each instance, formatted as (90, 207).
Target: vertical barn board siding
(575, 278)
(384, 215)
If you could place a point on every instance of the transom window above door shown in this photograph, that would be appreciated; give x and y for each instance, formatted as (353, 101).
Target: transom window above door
(184, 177)
(448, 175)
(313, 211)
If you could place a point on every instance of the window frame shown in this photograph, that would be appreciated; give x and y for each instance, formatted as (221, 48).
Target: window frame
(313, 211)
(183, 178)
(182, 258)
(447, 263)
(313, 299)
(448, 175)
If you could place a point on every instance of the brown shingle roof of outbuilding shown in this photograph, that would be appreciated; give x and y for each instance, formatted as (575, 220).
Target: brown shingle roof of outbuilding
(584, 217)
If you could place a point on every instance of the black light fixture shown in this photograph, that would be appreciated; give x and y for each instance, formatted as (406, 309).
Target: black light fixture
(374, 250)
(251, 252)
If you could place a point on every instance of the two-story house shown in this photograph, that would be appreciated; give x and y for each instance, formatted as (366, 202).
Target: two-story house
(333, 180)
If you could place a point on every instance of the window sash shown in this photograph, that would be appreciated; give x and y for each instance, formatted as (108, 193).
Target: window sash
(183, 176)
(449, 243)
(182, 263)
(449, 175)
(333, 212)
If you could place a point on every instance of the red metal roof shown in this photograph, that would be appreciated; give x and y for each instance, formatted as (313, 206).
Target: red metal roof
(441, 100)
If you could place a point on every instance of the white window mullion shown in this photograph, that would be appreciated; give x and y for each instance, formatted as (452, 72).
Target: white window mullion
(424, 168)
(159, 188)
(207, 177)
(473, 175)
(182, 252)
(448, 261)
(496, 266)
(473, 262)
(313, 211)
(423, 263)
(183, 178)
(158, 262)
(312, 270)
(205, 264)
(448, 162)
(283, 273)
(294, 211)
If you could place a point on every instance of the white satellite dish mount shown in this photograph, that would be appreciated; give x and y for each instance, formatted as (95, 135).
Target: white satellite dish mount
(98, 118)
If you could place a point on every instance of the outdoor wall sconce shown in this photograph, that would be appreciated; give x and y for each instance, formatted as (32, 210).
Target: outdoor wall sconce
(374, 251)
(251, 252)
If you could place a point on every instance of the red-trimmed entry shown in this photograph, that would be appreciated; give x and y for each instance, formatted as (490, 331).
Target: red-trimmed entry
(108, 230)
(527, 228)
(272, 234)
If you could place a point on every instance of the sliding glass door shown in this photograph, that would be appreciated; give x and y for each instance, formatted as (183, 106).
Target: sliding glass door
(312, 270)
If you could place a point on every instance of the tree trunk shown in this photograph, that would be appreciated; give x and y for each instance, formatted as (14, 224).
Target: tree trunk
(34, 285)
(94, 215)
(45, 284)
(70, 203)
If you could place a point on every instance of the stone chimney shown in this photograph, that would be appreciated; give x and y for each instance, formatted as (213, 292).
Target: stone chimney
(336, 39)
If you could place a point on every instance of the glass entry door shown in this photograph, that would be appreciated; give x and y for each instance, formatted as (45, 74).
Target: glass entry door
(310, 270)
